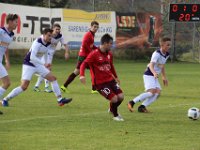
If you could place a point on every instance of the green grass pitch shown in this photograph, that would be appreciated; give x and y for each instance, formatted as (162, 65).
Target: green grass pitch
(33, 121)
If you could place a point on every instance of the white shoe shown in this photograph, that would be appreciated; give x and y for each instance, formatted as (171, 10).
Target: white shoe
(109, 111)
(118, 118)
(48, 90)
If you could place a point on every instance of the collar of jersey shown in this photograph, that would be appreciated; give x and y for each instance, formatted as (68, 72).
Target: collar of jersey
(9, 33)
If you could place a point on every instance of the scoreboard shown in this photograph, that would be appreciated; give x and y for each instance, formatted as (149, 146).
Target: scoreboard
(184, 12)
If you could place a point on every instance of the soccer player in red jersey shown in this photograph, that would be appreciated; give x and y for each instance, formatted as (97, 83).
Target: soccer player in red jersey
(86, 47)
(103, 75)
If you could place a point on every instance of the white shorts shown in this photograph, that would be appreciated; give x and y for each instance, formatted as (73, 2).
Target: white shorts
(28, 71)
(151, 83)
(3, 71)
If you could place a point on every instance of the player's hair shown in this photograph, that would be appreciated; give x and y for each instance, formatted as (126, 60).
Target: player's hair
(164, 39)
(94, 23)
(46, 30)
(106, 38)
(56, 25)
(11, 17)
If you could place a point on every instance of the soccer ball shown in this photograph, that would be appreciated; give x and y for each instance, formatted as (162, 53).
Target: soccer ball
(193, 113)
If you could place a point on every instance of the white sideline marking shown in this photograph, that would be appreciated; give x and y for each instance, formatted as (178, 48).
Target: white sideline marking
(85, 114)
(44, 117)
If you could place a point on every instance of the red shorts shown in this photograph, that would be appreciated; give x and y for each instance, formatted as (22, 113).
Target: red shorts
(109, 89)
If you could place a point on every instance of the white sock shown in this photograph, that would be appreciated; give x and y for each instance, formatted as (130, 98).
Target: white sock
(46, 83)
(142, 97)
(13, 93)
(56, 90)
(150, 100)
(39, 81)
(2, 91)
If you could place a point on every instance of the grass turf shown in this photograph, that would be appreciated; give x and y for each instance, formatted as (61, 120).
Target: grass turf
(33, 121)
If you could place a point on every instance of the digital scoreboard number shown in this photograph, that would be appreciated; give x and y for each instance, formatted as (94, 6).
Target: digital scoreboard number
(184, 12)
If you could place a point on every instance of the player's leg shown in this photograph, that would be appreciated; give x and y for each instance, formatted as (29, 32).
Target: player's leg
(107, 92)
(5, 80)
(39, 81)
(73, 75)
(47, 86)
(49, 61)
(61, 101)
(157, 92)
(15, 92)
(149, 84)
(70, 78)
(27, 73)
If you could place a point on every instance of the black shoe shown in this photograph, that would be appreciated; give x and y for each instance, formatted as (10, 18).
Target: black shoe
(64, 101)
(142, 109)
(1, 113)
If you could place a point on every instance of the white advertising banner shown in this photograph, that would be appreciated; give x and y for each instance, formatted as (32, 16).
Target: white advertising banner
(74, 23)
(32, 20)
(77, 22)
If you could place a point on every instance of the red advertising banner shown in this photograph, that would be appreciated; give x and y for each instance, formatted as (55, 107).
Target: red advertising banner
(138, 30)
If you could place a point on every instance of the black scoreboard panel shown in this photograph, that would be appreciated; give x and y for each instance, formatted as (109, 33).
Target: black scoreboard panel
(184, 12)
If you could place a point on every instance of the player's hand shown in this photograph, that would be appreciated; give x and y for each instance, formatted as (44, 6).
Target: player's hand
(117, 80)
(82, 79)
(155, 75)
(165, 82)
(48, 66)
(66, 56)
(7, 65)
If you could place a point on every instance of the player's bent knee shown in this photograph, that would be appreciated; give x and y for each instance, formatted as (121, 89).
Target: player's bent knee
(24, 88)
(6, 85)
(120, 97)
(114, 99)
(52, 78)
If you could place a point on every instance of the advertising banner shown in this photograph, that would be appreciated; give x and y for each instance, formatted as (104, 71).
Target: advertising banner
(138, 30)
(32, 20)
(74, 24)
(77, 22)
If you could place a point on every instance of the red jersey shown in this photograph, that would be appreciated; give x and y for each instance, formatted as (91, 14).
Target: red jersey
(101, 67)
(87, 44)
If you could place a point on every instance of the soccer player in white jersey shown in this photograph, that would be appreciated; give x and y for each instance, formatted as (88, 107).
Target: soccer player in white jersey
(56, 38)
(151, 74)
(33, 64)
(6, 37)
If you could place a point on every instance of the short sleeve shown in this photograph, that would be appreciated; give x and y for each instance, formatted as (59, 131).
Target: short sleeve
(155, 56)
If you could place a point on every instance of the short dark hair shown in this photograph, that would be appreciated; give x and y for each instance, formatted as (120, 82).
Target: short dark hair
(11, 17)
(56, 25)
(106, 38)
(164, 39)
(46, 30)
(94, 23)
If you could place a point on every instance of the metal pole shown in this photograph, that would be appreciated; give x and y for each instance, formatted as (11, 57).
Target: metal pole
(93, 5)
(49, 3)
(174, 41)
(193, 42)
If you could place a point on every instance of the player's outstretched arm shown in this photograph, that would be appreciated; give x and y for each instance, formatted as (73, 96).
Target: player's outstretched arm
(82, 79)
(66, 51)
(151, 67)
(7, 60)
(164, 78)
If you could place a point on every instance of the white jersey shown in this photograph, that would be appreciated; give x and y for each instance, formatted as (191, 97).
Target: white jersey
(159, 59)
(38, 50)
(6, 38)
(55, 41)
